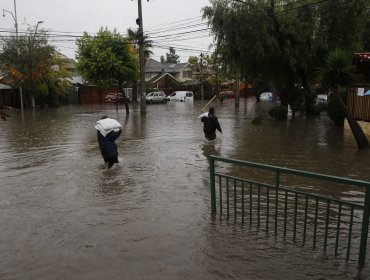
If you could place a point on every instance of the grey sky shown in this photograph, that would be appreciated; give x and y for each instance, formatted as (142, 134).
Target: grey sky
(69, 18)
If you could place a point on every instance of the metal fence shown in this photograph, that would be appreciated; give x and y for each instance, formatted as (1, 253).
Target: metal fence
(326, 222)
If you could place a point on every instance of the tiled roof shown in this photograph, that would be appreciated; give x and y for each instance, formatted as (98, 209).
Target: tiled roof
(160, 76)
(155, 66)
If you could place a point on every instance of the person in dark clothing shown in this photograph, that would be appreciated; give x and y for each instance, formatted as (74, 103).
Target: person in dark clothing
(210, 124)
(108, 147)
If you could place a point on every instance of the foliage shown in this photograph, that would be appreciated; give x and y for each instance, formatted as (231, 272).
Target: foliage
(283, 42)
(134, 38)
(210, 67)
(194, 61)
(279, 112)
(107, 59)
(367, 35)
(34, 64)
(171, 57)
(337, 71)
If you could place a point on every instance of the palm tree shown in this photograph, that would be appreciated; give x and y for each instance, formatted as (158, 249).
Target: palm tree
(134, 37)
(337, 72)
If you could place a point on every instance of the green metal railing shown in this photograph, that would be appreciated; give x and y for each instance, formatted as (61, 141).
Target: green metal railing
(292, 211)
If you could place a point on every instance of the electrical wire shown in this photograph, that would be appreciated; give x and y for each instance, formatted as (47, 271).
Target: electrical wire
(178, 31)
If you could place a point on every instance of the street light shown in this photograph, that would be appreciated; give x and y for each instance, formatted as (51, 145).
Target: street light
(32, 45)
(18, 51)
(37, 25)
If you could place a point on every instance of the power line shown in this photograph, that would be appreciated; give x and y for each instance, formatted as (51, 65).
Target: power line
(186, 29)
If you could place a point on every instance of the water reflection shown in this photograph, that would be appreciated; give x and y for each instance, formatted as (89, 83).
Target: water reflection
(63, 215)
(211, 148)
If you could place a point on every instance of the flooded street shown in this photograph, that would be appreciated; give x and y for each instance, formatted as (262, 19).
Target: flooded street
(63, 216)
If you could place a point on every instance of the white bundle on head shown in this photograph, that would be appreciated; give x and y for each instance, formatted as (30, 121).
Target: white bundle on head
(107, 125)
(203, 115)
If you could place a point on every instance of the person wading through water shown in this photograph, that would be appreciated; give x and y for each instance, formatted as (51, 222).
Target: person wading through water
(106, 139)
(210, 124)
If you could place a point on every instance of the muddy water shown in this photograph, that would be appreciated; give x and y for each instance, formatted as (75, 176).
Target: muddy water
(63, 216)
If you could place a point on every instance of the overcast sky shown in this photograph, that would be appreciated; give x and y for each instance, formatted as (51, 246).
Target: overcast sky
(176, 23)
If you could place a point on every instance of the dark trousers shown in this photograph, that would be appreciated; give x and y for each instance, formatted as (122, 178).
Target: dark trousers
(211, 136)
(112, 161)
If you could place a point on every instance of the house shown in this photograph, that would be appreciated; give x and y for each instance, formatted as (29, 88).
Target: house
(162, 74)
(8, 94)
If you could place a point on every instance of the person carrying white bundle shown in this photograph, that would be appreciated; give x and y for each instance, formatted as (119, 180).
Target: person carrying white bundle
(108, 130)
(210, 124)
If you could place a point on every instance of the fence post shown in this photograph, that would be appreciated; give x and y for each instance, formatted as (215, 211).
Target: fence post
(365, 228)
(277, 185)
(213, 185)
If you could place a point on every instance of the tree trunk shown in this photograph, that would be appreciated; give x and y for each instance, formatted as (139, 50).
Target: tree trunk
(356, 129)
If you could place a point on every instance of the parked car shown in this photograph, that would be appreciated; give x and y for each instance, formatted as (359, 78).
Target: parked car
(227, 94)
(112, 98)
(266, 96)
(156, 97)
(181, 96)
(321, 99)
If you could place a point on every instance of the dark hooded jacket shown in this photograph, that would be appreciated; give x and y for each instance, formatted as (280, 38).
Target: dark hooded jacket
(108, 147)
(210, 125)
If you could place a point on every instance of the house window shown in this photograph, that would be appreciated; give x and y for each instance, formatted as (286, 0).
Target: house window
(148, 75)
(186, 74)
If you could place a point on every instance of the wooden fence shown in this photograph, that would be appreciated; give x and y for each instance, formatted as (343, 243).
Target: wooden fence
(359, 106)
(94, 95)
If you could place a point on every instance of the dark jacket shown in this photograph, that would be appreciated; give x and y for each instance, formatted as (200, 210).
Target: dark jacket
(210, 125)
(108, 147)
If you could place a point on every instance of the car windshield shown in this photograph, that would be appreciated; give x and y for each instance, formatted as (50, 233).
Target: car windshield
(150, 93)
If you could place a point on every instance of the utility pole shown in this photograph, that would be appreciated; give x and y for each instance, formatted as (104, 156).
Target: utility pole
(142, 63)
(201, 76)
(18, 51)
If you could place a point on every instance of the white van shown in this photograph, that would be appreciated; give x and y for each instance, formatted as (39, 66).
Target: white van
(181, 96)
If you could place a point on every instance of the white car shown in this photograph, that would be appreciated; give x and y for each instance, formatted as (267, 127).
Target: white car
(181, 96)
(321, 99)
(156, 97)
(266, 96)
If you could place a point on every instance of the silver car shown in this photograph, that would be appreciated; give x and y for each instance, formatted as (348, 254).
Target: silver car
(156, 97)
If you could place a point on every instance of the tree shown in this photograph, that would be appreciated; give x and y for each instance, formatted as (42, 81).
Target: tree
(171, 57)
(134, 38)
(33, 64)
(107, 59)
(337, 72)
(282, 42)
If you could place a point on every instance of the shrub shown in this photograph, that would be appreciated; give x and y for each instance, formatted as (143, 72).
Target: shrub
(279, 112)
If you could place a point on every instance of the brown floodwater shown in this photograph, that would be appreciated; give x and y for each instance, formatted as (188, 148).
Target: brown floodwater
(63, 216)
